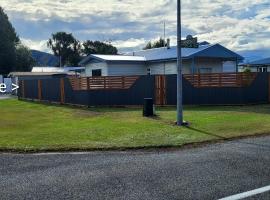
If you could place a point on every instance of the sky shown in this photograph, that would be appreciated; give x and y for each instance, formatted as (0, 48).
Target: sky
(240, 25)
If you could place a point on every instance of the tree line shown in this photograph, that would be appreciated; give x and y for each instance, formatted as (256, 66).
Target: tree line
(14, 56)
(70, 51)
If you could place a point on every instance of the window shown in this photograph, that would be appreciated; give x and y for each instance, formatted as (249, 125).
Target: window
(148, 71)
(205, 70)
(262, 69)
(97, 72)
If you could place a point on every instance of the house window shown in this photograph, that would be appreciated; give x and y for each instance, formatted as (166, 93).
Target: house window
(205, 70)
(97, 72)
(262, 69)
(148, 71)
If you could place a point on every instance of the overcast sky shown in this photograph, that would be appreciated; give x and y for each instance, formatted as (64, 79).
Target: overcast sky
(241, 25)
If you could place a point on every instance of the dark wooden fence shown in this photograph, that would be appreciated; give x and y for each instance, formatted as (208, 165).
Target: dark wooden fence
(221, 80)
(103, 83)
(210, 89)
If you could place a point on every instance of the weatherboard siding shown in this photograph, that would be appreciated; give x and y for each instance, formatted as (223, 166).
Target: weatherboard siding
(126, 69)
(96, 65)
(160, 68)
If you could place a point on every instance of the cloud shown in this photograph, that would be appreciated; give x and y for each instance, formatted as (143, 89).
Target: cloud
(242, 25)
(36, 44)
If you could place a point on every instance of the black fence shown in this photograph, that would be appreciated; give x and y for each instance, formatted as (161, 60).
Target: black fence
(51, 91)
(255, 93)
(60, 90)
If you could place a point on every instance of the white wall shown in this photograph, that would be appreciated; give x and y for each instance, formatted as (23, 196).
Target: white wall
(127, 69)
(96, 65)
(215, 66)
(160, 68)
(229, 66)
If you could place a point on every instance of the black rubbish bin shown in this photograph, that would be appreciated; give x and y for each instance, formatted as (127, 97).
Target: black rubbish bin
(148, 108)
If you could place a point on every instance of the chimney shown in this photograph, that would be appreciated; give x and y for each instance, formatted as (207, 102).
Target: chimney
(168, 43)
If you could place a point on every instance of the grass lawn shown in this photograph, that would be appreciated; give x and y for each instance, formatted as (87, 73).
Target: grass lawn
(28, 126)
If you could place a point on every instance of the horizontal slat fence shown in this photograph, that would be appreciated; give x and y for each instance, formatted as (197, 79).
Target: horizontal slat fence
(221, 79)
(102, 83)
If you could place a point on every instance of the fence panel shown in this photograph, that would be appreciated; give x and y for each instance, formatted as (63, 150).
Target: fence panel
(50, 90)
(226, 94)
(99, 92)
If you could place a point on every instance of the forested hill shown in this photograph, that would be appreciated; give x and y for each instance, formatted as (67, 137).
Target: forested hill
(44, 59)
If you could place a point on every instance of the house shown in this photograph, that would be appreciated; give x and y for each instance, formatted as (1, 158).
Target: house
(47, 72)
(262, 65)
(203, 59)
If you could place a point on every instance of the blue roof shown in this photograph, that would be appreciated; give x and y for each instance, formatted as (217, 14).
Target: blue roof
(265, 61)
(161, 54)
(216, 50)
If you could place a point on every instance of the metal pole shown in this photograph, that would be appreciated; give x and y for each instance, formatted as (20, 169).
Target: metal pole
(179, 68)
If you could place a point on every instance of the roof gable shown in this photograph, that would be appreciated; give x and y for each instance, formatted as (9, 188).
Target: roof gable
(218, 51)
(265, 61)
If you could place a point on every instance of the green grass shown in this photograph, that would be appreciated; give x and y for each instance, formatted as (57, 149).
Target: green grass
(32, 126)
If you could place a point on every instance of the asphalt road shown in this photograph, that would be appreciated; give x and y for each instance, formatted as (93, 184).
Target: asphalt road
(210, 172)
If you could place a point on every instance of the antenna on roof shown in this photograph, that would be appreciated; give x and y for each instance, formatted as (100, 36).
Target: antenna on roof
(164, 34)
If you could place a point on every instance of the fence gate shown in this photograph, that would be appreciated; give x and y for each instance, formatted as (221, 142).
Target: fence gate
(160, 90)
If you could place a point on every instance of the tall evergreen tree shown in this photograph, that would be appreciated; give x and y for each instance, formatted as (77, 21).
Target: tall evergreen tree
(97, 47)
(156, 44)
(66, 47)
(8, 41)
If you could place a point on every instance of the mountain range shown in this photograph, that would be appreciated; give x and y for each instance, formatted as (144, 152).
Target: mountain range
(44, 59)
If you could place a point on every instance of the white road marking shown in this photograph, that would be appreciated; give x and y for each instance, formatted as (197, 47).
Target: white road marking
(248, 194)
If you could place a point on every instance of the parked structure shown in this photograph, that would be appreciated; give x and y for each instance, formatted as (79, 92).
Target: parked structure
(162, 61)
(262, 65)
(47, 72)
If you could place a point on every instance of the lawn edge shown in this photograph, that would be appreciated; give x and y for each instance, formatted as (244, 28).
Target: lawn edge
(139, 148)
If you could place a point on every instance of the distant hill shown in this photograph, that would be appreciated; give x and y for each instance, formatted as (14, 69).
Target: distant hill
(44, 59)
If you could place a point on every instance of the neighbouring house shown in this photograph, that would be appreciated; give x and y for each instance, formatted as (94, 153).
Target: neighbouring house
(204, 59)
(47, 72)
(262, 65)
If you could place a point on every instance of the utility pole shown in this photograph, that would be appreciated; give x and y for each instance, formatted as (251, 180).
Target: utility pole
(164, 65)
(179, 68)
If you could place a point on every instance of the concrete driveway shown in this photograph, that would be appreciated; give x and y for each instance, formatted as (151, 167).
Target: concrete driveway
(210, 172)
(5, 96)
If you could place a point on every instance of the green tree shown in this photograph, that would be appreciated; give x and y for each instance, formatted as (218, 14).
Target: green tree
(24, 60)
(97, 47)
(156, 44)
(8, 41)
(66, 47)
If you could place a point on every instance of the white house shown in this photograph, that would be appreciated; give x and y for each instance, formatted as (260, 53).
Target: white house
(204, 59)
(262, 65)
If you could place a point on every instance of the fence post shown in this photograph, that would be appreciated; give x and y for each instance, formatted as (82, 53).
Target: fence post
(123, 82)
(23, 89)
(88, 83)
(199, 80)
(104, 81)
(39, 90)
(62, 90)
(268, 87)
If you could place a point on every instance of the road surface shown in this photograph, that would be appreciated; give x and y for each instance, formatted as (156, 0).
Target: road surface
(209, 172)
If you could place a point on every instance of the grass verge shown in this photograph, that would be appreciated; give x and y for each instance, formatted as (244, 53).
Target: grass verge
(27, 127)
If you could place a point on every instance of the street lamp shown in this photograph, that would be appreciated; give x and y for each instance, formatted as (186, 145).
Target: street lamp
(179, 68)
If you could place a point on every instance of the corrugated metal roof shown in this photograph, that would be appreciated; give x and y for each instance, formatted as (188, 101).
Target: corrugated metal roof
(119, 57)
(265, 61)
(35, 73)
(164, 53)
(215, 50)
(56, 69)
(126, 58)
